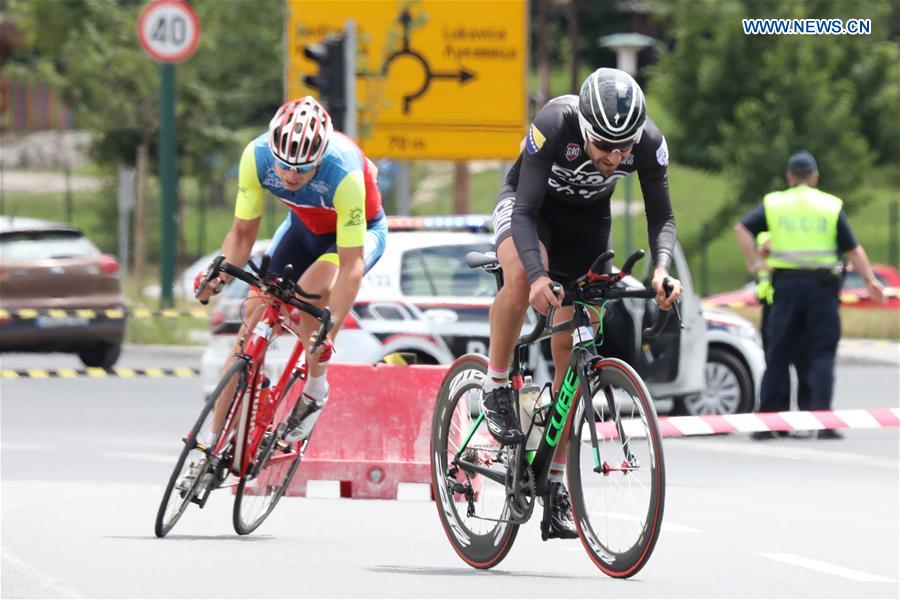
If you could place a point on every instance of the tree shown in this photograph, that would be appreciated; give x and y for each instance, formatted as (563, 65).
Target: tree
(90, 49)
(744, 103)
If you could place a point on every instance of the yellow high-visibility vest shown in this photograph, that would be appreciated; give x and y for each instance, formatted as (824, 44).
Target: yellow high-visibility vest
(803, 224)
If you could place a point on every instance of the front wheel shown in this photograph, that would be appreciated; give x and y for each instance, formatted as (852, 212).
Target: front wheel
(618, 492)
(259, 491)
(192, 476)
(472, 508)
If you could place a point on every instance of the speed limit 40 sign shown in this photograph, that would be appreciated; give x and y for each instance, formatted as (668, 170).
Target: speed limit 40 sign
(169, 30)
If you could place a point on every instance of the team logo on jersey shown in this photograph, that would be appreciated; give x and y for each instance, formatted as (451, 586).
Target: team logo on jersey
(272, 180)
(662, 153)
(535, 140)
(573, 151)
(356, 217)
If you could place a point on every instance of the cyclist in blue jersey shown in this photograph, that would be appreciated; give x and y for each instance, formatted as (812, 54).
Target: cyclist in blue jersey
(334, 233)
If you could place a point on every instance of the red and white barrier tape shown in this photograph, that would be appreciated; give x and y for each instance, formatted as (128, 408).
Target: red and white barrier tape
(872, 418)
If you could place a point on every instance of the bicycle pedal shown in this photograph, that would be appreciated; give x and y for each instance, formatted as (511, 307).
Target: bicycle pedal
(283, 446)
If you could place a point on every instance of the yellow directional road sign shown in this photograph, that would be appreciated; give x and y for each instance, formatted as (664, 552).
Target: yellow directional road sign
(435, 79)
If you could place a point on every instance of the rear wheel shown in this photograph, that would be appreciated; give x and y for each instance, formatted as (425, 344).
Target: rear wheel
(196, 466)
(472, 508)
(260, 490)
(617, 495)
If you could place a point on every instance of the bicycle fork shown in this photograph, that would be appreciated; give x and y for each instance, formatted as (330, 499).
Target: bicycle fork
(591, 420)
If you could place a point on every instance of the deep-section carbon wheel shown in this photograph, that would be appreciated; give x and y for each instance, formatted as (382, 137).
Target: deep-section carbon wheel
(618, 493)
(472, 508)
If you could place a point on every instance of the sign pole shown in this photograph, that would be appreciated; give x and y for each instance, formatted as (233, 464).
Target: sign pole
(167, 182)
(169, 31)
(350, 79)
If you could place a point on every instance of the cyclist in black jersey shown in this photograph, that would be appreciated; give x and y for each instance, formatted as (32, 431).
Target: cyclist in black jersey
(553, 214)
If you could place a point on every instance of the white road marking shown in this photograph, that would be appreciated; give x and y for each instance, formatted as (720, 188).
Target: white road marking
(775, 450)
(21, 572)
(824, 567)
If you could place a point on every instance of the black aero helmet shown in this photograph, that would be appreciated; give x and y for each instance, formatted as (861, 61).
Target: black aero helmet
(611, 107)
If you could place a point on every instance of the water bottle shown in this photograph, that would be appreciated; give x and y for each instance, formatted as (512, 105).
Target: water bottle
(529, 396)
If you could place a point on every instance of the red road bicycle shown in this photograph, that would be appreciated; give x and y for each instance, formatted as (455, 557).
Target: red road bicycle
(250, 451)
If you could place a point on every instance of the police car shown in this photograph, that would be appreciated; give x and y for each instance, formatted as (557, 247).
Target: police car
(421, 300)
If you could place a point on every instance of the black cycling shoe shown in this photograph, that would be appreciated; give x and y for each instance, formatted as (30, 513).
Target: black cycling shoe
(502, 417)
(561, 523)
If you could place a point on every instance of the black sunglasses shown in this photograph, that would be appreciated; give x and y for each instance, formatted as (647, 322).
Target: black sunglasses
(611, 147)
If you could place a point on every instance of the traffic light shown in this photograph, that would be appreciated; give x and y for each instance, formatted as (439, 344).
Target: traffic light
(330, 81)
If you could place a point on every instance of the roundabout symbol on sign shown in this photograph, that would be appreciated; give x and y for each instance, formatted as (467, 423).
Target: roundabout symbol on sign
(169, 30)
(462, 75)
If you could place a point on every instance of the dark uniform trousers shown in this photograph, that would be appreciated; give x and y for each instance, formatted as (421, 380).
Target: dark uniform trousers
(803, 328)
(803, 390)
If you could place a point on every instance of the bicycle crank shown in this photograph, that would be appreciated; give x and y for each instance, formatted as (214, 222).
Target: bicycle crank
(520, 495)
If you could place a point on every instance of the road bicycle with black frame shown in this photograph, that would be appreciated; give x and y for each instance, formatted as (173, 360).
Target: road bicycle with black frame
(249, 453)
(615, 469)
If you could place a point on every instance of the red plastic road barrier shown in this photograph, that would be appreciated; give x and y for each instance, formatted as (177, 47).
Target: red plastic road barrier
(375, 431)
(872, 418)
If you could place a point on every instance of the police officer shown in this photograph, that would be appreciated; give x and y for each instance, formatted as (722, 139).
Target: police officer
(809, 230)
(765, 294)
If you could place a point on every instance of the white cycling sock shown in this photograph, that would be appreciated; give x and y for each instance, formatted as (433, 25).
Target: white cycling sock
(205, 436)
(316, 388)
(495, 379)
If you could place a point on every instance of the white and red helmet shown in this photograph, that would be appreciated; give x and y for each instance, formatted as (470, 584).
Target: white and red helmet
(299, 133)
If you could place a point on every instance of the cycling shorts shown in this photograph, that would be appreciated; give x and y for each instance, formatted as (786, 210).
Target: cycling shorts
(573, 235)
(294, 244)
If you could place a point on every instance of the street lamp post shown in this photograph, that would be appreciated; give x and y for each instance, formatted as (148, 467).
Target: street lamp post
(626, 46)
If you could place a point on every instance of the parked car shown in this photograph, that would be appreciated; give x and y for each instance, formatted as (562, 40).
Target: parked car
(853, 291)
(421, 299)
(46, 265)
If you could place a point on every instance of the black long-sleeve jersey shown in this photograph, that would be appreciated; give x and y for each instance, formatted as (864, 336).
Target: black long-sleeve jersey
(554, 167)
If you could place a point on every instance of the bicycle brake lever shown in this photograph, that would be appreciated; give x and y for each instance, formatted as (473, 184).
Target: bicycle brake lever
(214, 269)
(324, 328)
(678, 315)
(668, 287)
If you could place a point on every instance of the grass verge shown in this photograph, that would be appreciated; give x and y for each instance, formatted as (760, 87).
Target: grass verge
(866, 323)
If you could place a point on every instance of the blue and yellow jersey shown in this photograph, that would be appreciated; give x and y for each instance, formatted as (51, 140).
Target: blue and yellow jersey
(342, 196)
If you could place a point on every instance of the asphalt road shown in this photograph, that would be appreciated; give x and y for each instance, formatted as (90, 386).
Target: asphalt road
(84, 462)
